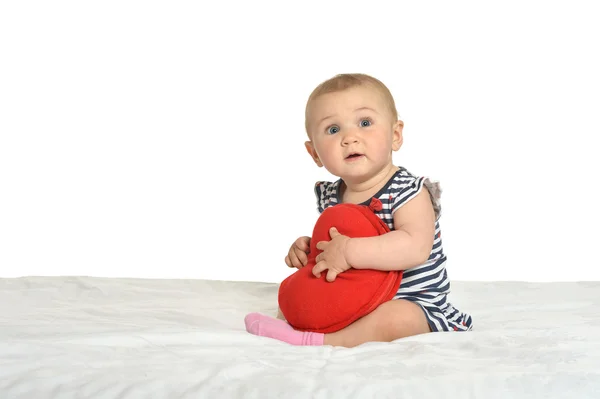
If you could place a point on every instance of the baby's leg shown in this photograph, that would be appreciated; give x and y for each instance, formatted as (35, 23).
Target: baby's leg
(390, 321)
(266, 326)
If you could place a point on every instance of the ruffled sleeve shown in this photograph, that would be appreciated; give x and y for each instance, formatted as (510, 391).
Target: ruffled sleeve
(325, 193)
(408, 186)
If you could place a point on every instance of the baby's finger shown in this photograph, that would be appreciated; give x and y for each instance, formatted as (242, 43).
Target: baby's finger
(318, 268)
(320, 257)
(303, 243)
(301, 256)
(331, 275)
(294, 258)
(322, 245)
(288, 262)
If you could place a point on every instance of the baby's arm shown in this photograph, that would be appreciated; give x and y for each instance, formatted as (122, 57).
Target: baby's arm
(409, 245)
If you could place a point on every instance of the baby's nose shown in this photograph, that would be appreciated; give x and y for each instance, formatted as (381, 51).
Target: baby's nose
(349, 137)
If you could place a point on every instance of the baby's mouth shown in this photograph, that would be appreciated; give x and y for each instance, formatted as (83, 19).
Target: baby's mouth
(354, 155)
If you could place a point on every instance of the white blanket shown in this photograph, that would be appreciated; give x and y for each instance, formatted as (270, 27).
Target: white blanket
(131, 338)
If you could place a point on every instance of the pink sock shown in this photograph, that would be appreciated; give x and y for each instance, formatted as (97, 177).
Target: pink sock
(265, 326)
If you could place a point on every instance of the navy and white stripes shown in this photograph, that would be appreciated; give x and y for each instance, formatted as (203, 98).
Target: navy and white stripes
(426, 285)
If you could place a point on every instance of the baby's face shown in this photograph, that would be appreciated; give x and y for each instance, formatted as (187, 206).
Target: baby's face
(352, 133)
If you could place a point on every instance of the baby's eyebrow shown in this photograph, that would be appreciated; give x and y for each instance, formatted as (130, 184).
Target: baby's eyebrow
(365, 108)
(356, 110)
(327, 117)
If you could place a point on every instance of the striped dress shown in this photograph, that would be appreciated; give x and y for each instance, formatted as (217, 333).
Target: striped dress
(426, 285)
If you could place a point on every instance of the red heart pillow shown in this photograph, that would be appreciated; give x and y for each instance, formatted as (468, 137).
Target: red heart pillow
(314, 304)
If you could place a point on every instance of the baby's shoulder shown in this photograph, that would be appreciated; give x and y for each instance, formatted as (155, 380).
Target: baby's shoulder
(406, 186)
(401, 181)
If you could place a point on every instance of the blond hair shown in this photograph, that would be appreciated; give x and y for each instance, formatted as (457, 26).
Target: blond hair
(346, 81)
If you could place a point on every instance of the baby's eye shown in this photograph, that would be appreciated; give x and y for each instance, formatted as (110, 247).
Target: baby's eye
(365, 123)
(333, 129)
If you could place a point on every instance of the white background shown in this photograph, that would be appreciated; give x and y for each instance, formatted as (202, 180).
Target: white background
(165, 139)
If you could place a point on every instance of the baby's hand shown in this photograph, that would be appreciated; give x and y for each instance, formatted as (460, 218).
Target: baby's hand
(297, 255)
(333, 257)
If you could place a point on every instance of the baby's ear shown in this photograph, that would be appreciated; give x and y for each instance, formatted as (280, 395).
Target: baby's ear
(313, 153)
(397, 135)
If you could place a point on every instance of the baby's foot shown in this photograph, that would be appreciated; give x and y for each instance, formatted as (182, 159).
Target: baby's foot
(265, 326)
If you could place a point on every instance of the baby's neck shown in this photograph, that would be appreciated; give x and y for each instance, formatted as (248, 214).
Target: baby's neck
(361, 191)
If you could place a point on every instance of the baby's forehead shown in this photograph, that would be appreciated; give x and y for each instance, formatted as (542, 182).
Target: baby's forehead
(355, 91)
(347, 101)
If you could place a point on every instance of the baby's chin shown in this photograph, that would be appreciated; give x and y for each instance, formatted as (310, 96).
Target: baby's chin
(358, 175)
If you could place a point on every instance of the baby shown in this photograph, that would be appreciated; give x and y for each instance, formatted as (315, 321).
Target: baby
(353, 129)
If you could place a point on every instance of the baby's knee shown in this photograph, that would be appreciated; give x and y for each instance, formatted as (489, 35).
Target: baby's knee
(401, 318)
